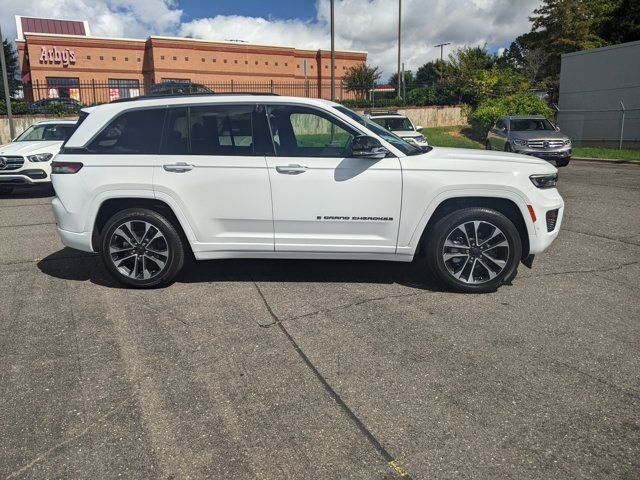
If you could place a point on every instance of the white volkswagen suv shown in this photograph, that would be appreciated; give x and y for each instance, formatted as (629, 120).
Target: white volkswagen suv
(26, 161)
(148, 181)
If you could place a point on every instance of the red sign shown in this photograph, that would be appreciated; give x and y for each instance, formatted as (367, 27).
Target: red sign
(53, 55)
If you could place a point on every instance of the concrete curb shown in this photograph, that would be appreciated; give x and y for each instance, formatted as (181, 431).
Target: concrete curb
(610, 160)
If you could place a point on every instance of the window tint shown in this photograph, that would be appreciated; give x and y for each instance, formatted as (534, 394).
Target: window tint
(305, 132)
(500, 124)
(221, 130)
(176, 132)
(47, 132)
(135, 132)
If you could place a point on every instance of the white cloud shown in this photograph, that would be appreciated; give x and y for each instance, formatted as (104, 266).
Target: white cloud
(369, 25)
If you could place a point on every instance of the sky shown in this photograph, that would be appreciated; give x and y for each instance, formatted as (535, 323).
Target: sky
(363, 25)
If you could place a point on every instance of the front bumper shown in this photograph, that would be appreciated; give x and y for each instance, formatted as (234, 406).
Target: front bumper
(548, 206)
(546, 154)
(29, 176)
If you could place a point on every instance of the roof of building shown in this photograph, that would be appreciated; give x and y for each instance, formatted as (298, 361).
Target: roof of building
(51, 26)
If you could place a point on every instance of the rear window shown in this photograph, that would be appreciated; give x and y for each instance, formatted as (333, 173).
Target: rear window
(137, 132)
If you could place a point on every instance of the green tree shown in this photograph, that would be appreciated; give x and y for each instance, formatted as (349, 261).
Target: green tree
(11, 59)
(622, 23)
(361, 78)
(409, 80)
(433, 72)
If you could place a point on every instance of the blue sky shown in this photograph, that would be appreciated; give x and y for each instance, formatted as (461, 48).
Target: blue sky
(288, 9)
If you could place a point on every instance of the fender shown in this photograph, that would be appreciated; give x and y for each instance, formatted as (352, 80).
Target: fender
(415, 233)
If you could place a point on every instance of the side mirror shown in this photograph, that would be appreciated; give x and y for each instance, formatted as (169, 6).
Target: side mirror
(419, 127)
(556, 127)
(363, 146)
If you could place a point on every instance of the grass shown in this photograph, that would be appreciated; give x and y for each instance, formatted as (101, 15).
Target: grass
(608, 153)
(461, 136)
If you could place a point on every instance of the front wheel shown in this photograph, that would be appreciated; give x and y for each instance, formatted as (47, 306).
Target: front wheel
(562, 162)
(141, 248)
(507, 147)
(474, 250)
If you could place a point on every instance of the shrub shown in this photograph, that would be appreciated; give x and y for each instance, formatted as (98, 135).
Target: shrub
(490, 110)
(18, 107)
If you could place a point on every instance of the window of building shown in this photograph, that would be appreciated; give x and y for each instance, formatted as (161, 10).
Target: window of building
(186, 59)
(88, 57)
(161, 57)
(113, 58)
(286, 64)
(305, 132)
(138, 59)
(213, 60)
(63, 87)
(175, 58)
(123, 88)
(225, 60)
(276, 64)
(126, 59)
(235, 61)
(266, 63)
(246, 62)
(202, 59)
(135, 132)
(101, 57)
(256, 62)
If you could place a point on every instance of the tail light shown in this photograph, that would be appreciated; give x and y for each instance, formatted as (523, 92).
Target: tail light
(65, 167)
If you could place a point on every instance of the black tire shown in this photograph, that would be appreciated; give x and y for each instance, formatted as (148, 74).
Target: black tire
(562, 162)
(480, 275)
(166, 248)
(487, 145)
(5, 190)
(507, 147)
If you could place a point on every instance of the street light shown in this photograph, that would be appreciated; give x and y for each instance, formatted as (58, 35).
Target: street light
(441, 45)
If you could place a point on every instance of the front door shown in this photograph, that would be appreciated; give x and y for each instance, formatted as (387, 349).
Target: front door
(324, 201)
(212, 169)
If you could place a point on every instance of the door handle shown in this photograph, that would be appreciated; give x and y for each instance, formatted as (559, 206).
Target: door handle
(291, 169)
(179, 167)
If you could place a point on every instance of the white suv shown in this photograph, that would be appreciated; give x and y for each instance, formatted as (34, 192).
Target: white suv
(26, 161)
(148, 181)
(401, 125)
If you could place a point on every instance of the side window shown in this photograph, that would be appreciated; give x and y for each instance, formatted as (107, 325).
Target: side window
(221, 130)
(304, 132)
(176, 132)
(135, 132)
(500, 124)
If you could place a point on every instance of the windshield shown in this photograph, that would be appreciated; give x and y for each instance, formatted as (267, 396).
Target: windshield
(530, 124)
(54, 132)
(392, 138)
(394, 123)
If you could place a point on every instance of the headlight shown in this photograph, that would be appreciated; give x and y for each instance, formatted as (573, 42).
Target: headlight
(421, 138)
(40, 157)
(520, 142)
(567, 141)
(544, 181)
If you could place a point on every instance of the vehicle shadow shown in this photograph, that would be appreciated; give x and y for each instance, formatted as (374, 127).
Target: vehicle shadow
(38, 191)
(69, 264)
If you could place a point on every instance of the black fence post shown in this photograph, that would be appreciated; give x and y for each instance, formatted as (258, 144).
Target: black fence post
(93, 88)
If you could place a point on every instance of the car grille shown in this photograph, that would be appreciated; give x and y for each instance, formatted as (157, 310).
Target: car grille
(545, 143)
(552, 218)
(11, 163)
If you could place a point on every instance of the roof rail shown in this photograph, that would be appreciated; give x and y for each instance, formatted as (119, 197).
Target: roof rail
(178, 95)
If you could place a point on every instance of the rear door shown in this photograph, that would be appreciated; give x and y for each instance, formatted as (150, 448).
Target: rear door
(212, 169)
(323, 200)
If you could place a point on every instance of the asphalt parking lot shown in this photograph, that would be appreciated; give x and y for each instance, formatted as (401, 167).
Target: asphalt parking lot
(326, 370)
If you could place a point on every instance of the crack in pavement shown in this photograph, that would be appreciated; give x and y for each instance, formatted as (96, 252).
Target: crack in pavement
(45, 454)
(392, 463)
(600, 236)
(28, 225)
(38, 260)
(594, 270)
(345, 306)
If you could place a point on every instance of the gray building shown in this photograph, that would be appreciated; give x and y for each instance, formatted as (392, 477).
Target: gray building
(593, 83)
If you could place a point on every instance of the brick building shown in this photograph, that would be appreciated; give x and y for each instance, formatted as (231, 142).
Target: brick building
(62, 58)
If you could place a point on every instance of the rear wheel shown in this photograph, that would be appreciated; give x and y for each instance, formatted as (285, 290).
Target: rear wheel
(474, 250)
(141, 248)
(487, 145)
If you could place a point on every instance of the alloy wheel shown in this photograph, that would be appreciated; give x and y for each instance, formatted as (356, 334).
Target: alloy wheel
(475, 252)
(138, 250)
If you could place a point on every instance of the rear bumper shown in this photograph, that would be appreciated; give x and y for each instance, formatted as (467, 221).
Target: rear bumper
(79, 241)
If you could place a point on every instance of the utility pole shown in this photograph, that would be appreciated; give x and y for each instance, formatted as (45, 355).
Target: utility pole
(442, 45)
(333, 56)
(399, 44)
(5, 81)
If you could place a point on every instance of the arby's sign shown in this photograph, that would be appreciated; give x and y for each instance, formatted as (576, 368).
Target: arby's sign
(54, 55)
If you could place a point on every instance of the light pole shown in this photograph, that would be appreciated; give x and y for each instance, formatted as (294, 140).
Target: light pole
(5, 81)
(399, 45)
(442, 45)
(333, 56)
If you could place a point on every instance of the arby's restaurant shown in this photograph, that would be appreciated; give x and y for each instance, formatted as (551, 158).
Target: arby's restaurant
(61, 58)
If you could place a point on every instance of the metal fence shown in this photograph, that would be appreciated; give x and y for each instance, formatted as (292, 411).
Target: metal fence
(95, 92)
(614, 127)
